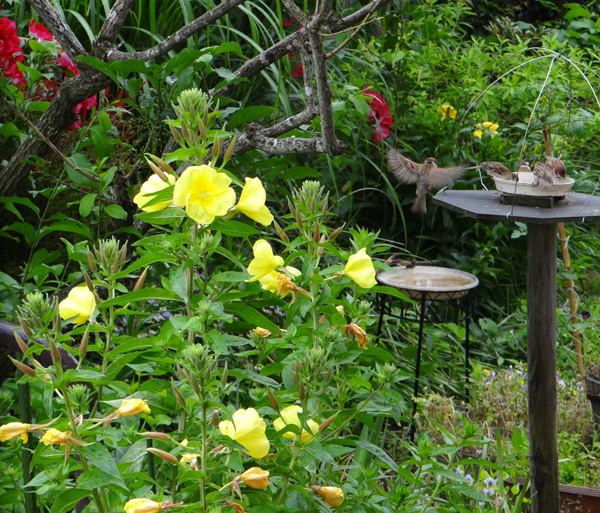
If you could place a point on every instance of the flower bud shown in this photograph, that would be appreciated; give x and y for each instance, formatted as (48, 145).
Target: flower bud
(224, 376)
(280, 232)
(214, 418)
(332, 495)
(335, 232)
(140, 281)
(327, 422)
(273, 399)
(230, 149)
(255, 477)
(56, 323)
(22, 367)
(157, 435)
(176, 135)
(88, 281)
(83, 346)
(178, 396)
(157, 171)
(262, 332)
(301, 392)
(54, 352)
(163, 455)
(25, 327)
(316, 234)
(91, 261)
(21, 343)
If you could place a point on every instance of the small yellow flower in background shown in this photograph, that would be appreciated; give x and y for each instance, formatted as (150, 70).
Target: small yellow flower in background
(191, 459)
(486, 127)
(54, 436)
(142, 506)
(247, 429)
(252, 202)
(332, 495)
(289, 415)
(132, 407)
(447, 110)
(204, 193)
(255, 477)
(79, 303)
(486, 372)
(359, 269)
(362, 339)
(14, 429)
(262, 332)
(149, 188)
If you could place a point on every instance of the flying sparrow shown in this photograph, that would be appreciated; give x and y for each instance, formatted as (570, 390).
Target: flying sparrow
(497, 170)
(427, 176)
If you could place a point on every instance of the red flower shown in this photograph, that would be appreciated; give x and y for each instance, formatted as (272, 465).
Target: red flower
(40, 32)
(298, 71)
(10, 51)
(379, 115)
(64, 61)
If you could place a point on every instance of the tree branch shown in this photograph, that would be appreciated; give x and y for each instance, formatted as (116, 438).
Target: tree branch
(114, 21)
(108, 52)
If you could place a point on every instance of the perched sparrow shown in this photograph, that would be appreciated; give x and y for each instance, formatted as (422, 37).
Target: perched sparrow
(557, 166)
(525, 166)
(497, 170)
(427, 176)
(543, 175)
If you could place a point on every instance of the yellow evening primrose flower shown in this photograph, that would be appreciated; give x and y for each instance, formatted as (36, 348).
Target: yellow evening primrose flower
(486, 127)
(149, 189)
(79, 303)
(447, 110)
(289, 415)
(262, 332)
(132, 407)
(332, 495)
(247, 429)
(264, 261)
(359, 269)
(14, 429)
(255, 477)
(252, 202)
(204, 193)
(142, 506)
(54, 436)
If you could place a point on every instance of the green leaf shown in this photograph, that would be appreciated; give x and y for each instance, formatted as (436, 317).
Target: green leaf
(254, 377)
(103, 144)
(577, 11)
(300, 173)
(178, 282)
(233, 228)
(87, 204)
(96, 479)
(248, 114)
(9, 130)
(166, 216)
(100, 457)
(70, 226)
(252, 317)
(141, 295)
(104, 120)
(66, 500)
(116, 211)
(379, 453)
(320, 454)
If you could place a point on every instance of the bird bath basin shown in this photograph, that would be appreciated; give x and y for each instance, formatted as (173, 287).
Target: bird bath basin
(526, 187)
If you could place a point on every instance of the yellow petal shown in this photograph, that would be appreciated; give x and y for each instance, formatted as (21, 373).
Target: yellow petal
(13, 429)
(133, 407)
(54, 436)
(142, 506)
(360, 269)
(149, 188)
(79, 303)
(248, 429)
(255, 477)
(252, 202)
(264, 261)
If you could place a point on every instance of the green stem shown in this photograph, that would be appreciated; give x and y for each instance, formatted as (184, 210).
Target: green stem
(286, 479)
(190, 279)
(203, 456)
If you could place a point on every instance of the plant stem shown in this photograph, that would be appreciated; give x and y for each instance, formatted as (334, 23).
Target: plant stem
(203, 456)
(286, 479)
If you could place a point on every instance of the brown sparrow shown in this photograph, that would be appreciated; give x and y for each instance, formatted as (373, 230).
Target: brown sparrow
(497, 170)
(525, 166)
(557, 166)
(543, 174)
(427, 176)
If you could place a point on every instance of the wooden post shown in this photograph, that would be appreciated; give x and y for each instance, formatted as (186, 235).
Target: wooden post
(541, 366)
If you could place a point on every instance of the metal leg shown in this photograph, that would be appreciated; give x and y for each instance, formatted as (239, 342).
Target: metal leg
(381, 305)
(467, 351)
(418, 367)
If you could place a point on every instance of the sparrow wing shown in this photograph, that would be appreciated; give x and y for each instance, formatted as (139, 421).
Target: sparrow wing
(495, 167)
(442, 176)
(404, 169)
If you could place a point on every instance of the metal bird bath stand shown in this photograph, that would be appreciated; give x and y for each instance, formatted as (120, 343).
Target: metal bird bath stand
(541, 319)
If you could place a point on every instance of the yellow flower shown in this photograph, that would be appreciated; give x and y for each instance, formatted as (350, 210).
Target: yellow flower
(13, 429)
(360, 269)
(132, 407)
(191, 459)
(149, 189)
(447, 110)
(204, 193)
(247, 429)
(255, 477)
(262, 332)
(252, 202)
(54, 436)
(80, 303)
(142, 506)
(264, 261)
(487, 126)
(332, 495)
(288, 416)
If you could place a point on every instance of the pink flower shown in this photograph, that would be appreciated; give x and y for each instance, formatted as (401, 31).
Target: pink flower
(83, 107)
(64, 61)
(40, 32)
(379, 115)
(10, 51)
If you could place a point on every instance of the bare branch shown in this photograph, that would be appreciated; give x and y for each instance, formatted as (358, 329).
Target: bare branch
(109, 52)
(295, 11)
(114, 21)
(289, 145)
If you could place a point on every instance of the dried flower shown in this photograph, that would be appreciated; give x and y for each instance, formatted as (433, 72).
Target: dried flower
(255, 477)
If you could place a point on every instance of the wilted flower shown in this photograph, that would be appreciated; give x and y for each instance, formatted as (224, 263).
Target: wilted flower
(332, 495)
(80, 303)
(191, 459)
(132, 407)
(361, 336)
(252, 202)
(142, 506)
(149, 189)
(486, 127)
(359, 269)
(447, 110)
(262, 332)
(289, 415)
(54, 436)
(204, 193)
(255, 477)
(248, 429)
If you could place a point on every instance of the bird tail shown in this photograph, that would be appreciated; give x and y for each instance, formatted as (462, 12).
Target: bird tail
(420, 205)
